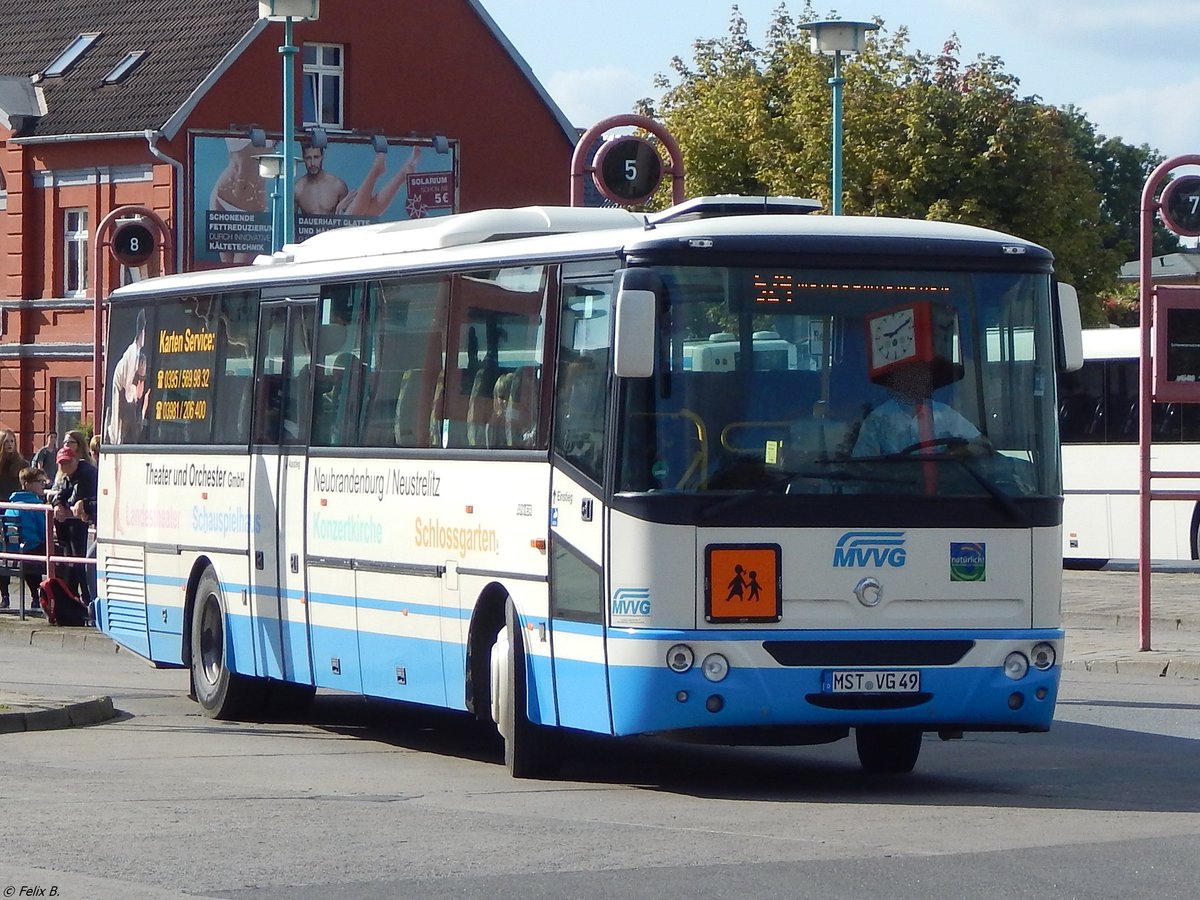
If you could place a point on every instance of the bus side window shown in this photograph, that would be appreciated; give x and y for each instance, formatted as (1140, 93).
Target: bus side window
(498, 325)
(407, 331)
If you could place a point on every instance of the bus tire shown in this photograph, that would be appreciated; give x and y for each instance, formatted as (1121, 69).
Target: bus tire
(888, 749)
(221, 693)
(530, 750)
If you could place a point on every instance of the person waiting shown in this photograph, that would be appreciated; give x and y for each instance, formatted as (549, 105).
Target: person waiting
(29, 526)
(74, 506)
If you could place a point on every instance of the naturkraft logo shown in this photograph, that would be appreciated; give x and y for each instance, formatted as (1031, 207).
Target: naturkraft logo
(968, 561)
(859, 549)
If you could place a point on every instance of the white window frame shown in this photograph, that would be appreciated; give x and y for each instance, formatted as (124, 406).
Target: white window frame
(71, 54)
(68, 404)
(125, 67)
(75, 251)
(320, 78)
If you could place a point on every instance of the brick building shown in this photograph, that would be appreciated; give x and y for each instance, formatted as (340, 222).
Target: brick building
(106, 103)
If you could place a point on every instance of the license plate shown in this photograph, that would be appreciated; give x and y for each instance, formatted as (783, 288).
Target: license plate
(872, 681)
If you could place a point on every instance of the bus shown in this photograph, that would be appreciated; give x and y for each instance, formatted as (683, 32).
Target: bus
(581, 470)
(1098, 421)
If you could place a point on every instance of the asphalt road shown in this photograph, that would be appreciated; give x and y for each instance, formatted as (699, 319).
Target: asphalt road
(373, 800)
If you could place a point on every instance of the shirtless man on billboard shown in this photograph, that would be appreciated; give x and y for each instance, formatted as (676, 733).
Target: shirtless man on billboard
(318, 193)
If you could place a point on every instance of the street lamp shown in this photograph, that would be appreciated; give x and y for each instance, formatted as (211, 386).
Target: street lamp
(270, 167)
(837, 38)
(286, 11)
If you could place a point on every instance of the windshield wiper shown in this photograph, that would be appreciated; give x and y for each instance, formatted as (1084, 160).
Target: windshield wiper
(993, 490)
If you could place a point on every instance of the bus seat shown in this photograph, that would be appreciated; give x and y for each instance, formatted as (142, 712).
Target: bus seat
(406, 414)
(1165, 421)
(1081, 417)
(479, 406)
(378, 421)
(514, 409)
(1132, 421)
(268, 409)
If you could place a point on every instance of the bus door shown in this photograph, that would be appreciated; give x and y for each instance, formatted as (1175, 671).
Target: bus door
(577, 518)
(283, 397)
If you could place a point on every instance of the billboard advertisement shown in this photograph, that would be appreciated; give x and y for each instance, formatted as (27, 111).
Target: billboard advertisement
(349, 182)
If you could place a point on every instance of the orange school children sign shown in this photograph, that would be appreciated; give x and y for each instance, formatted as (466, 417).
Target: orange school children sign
(743, 583)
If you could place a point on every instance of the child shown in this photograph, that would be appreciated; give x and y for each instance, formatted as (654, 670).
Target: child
(30, 527)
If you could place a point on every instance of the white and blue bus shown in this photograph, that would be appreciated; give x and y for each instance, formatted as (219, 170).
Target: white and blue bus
(584, 470)
(1098, 421)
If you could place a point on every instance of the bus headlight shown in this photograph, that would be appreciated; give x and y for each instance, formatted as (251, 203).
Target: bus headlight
(1016, 665)
(1043, 656)
(680, 658)
(715, 667)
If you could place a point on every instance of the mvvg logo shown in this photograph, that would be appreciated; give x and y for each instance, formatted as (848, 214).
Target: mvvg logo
(858, 549)
(631, 602)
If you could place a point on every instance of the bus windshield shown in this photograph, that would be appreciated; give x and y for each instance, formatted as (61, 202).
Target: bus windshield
(826, 381)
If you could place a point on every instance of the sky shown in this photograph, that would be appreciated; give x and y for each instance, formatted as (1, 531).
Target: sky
(1132, 66)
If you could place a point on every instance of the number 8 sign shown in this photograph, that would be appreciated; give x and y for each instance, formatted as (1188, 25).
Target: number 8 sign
(133, 243)
(628, 170)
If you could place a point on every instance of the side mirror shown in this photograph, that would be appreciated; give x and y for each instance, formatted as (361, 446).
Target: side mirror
(635, 325)
(1070, 329)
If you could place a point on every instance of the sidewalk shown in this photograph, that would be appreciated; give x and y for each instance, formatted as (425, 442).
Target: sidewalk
(1100, 612)
(21, 712)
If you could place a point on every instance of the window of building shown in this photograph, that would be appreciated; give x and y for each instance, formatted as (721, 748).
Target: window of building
(125, 67)
(324, 77)
(75, 246)
(71, 54)
(68, 404)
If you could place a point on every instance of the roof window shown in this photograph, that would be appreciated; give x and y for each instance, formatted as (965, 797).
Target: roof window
(71, 55)
(125, 67)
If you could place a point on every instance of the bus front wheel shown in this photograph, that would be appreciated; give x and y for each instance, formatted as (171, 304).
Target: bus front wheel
(222, 694)
(529, 749)
(888, 749)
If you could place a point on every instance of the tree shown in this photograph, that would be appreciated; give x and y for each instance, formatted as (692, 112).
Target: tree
(1119, 171)
(925, 137)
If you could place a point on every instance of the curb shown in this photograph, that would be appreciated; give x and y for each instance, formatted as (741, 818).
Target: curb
(1151, 665)
(1126, 622)
(34, 715)
(36, 633)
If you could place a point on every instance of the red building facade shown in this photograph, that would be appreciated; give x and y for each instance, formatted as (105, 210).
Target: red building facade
(143, 104)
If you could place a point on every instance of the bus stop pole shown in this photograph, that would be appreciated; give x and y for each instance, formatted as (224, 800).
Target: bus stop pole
(1145, 292)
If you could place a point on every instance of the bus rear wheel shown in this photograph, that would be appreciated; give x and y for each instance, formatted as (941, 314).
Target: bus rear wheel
(222, 694)
(888, 749)
(530, 750)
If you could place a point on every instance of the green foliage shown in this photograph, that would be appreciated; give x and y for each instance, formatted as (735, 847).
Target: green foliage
(1121, 306)
(928, 137)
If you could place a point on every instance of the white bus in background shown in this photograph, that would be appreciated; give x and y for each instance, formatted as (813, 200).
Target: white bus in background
(1098, 422)
(577, 470)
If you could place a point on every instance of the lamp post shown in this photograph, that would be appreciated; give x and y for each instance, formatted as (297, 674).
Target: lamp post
(837, 38)
(286, 11)
(270, 166)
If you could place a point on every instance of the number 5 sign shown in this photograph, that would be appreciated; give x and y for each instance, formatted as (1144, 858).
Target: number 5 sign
(627, 169)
